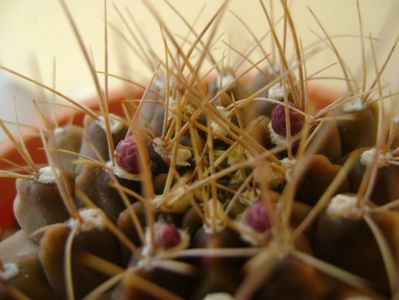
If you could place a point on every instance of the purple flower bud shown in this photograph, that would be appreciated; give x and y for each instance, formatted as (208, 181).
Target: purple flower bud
(278, 120)
(127, 155)
(167, 235)
(257, 217)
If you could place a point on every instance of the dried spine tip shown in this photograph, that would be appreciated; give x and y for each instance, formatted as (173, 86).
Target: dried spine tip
(127, 155)
(257, 217)
(278, 122)
(167, 235)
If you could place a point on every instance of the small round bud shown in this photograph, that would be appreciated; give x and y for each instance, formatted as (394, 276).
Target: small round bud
(257, 217)
(127, 156)
(278, 120)
(167, 235)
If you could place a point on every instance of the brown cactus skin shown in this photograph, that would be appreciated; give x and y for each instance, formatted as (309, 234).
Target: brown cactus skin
(39, 204)
(180, 285)
(294, 279)
(318, 176)
(237, 89)
(330, 142)
(52, 247)
(359, 131)
(258, 129)
(127, 226)
(95, 182)
(67, 138)
(218, 273)
(31, 281)
(355, 243)
(385, 187)
(94, 137)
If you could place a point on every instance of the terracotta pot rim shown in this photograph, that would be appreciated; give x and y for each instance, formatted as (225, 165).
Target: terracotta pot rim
(320, 96)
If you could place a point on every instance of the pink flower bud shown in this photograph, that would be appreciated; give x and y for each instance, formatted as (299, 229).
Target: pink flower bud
(167, 235)
(127, 155)
(257, 217)
(278, 120)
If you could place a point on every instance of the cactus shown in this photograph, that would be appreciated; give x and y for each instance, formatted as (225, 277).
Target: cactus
(220, 188)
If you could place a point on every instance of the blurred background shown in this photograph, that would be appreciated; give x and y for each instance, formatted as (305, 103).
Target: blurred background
(36, 40)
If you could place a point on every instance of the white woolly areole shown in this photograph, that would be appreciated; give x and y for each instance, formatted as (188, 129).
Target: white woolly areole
(216, 127)
(277, 139)
(183, 153)
(93, 218)
(288, 163)
(218, 296)
(353, 105)
(147, 250)
(343, 206)
(47, 176)
(367, 158)
(59, 131)
(225, 81)
(272, 72)
(114, 122)
(10, 271)
(121, 173)
(276, 92)
(159, 84)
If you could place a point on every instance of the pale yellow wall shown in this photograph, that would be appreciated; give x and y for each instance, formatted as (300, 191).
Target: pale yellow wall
(39, 28)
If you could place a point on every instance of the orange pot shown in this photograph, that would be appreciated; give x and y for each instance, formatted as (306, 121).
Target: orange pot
(320, 97)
